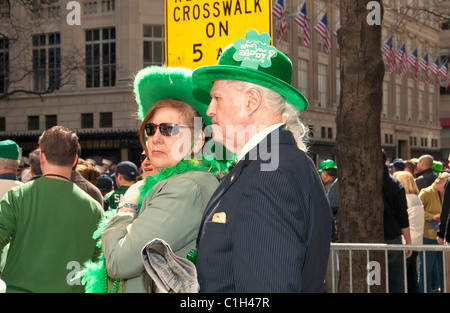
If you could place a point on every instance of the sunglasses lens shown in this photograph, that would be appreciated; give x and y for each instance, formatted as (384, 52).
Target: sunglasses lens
(150, 129)
(168, 129)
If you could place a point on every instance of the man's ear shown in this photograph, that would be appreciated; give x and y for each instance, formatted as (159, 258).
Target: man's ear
(75, 162)
(253, 101)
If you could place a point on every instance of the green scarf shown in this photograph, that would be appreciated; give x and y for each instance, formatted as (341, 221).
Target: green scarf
(94, 274)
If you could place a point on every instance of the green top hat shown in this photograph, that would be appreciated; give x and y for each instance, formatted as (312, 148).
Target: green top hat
(326, 165)
(253, 60)
(9, 150)
(156, 83)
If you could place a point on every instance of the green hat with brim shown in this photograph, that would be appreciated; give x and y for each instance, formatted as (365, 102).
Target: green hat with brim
(9, 150)
(253, 60)
(156, 83)
(326, 165)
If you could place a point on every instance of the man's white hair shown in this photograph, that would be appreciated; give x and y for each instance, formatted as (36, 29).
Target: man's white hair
(9, 164)
(278, 104)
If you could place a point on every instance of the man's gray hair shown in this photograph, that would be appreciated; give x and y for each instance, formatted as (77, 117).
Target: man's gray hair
(289, 114)
(9, 164)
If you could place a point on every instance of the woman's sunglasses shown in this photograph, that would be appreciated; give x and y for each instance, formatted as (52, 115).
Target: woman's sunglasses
(166, 129)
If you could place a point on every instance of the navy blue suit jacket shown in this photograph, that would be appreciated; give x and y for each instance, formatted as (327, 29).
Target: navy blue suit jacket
(278, 224)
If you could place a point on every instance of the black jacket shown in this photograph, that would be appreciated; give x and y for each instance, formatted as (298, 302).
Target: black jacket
(277, 233)
(395, 206)
(425, 178)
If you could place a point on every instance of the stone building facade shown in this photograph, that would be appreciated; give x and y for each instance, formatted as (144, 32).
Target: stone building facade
(116, 38)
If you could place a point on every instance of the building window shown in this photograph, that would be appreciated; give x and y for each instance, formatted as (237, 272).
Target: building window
(330, 133)
(2, 124)
(322, 85)
(90, 7)
(153, 45)
(385, 99)
(50, 121)
(33, 122)
(303, 76)
(47, 62)
(101, 57)
(420, 106)
(87, 120)
(4, 64)
(430, 108)
(410, 100)
(106, 120)
(108, 5)
(397, 101)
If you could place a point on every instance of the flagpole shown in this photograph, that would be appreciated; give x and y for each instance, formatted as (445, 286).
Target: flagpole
(293, 50)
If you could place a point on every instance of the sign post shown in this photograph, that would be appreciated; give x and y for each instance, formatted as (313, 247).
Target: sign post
(197, 31)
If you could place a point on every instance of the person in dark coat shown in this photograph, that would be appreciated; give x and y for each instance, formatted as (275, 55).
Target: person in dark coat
(267, 228)
(425, 175)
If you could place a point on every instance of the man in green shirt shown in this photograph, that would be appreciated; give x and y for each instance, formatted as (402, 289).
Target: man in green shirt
(125, 175)
(49, 222)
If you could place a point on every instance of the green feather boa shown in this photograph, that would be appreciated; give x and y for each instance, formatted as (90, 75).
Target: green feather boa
(94, 274)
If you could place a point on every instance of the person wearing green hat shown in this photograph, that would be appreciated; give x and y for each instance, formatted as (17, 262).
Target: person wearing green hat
(267, 228)
(9, 163)
(170, 203)
(328, 173)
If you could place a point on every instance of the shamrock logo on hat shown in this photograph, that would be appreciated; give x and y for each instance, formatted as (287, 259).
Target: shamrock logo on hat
(254, 50)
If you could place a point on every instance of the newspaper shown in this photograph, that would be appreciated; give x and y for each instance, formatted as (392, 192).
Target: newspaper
(169, 272)
(2, 286)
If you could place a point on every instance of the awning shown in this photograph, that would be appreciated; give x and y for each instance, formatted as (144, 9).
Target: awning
(445, 122)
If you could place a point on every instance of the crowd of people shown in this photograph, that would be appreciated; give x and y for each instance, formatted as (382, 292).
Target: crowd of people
(417, 204)
(259, 221)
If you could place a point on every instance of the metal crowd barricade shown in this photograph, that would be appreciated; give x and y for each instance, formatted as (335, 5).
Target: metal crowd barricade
(341, 247)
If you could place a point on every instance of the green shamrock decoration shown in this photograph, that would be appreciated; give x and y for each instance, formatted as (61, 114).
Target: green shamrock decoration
(254, 50)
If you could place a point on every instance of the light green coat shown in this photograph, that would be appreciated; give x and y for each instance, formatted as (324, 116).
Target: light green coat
(172, 212)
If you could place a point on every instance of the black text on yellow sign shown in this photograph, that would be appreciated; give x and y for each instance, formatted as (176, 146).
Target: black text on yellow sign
(197, 31)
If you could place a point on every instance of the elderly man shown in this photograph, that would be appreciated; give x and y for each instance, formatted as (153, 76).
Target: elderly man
(268, 226)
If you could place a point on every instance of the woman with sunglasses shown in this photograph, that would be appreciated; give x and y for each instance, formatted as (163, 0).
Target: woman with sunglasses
(170, 203)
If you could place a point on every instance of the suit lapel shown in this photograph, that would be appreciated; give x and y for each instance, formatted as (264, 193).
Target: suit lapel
(282, 136)
(226, 182)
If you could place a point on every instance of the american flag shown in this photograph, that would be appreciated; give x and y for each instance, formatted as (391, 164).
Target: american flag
(302, 20)
(444, 69)
(434, 68)
(423, 64)
(389, 54)
(400, 53)
(322, 29)
(278, 12)
(414, 62)
(404, 63)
